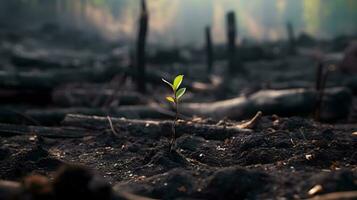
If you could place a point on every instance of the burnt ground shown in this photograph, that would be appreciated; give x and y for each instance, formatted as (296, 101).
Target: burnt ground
(282, 158)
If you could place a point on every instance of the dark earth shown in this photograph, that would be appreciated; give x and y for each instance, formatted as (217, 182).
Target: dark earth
(282, 158)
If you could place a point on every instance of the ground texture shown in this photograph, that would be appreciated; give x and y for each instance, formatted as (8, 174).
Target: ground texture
(281, 158)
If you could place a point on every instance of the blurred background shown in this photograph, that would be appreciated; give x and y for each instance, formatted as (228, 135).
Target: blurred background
(85, 54)
(180, 22)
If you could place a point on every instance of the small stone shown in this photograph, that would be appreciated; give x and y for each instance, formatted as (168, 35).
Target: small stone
(219, 148)
(308, 157)
(314, 190)
(33, 138)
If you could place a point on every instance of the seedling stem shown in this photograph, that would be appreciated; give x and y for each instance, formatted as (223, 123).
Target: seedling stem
(177, 94)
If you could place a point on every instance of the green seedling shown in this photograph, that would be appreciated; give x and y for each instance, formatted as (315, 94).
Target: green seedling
(174, 99)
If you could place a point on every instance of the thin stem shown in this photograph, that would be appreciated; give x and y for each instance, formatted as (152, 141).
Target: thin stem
(173, 137)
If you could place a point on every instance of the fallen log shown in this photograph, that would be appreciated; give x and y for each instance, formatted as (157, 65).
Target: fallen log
(39, 80)
(77, 126)
(90, 97)
(45, 80)
(28, 59)
(50, 132)
(335, 80)
(49, 58)
(132, 112)
(151, 128)
(336, 104)
(56, 115)
(71, 97)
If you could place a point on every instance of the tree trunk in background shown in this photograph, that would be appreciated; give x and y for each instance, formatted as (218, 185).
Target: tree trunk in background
(291, 36)
(141, 43)
(209, 50)
(234, 63)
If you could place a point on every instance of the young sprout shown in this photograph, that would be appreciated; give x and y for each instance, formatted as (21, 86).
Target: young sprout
(174, 99)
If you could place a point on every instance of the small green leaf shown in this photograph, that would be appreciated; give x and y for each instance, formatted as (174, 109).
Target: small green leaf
(170, 99)
(168, 83)
(177, 81)
(180, 93)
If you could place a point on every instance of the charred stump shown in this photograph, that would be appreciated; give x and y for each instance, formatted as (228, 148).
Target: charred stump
(209, 50)
(234, 63)
(291, 37)
(140, 51)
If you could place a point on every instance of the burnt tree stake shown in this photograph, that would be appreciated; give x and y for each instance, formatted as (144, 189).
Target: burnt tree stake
(291, 37)
(319, 74)
(234, 63)
(209, 50)
(140, 51)
(321, 79)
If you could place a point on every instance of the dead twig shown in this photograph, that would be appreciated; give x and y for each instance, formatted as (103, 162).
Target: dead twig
(153, 128)
(251, 123)
(111, 126)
